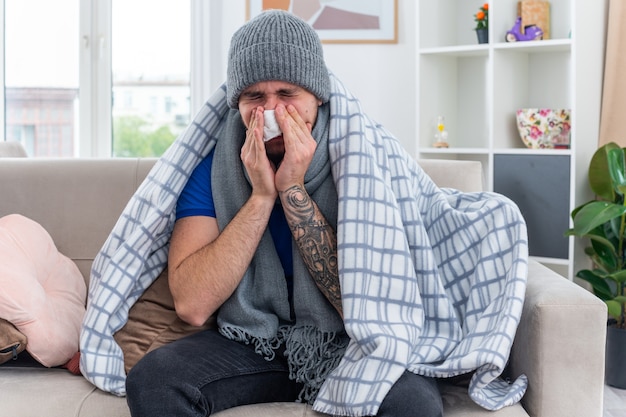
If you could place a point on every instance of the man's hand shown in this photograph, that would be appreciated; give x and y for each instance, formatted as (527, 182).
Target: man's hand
(299, 147)
(259, 168)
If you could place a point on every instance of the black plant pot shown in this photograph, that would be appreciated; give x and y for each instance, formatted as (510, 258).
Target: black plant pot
(482, 35)
(615, 362)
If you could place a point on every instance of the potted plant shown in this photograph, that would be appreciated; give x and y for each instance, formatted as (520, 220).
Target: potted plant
(603, 222)
(482, 23)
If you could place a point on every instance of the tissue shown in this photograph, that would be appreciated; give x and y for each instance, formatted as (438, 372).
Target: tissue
(270, 127)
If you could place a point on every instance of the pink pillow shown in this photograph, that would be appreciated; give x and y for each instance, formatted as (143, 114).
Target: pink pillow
(43, 292)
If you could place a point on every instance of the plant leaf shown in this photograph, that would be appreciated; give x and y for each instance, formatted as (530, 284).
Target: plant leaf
(600, 287)
(577, 209)
(615, 308)
(603, 250)
(620, 299)
(598, 237)
(614, 227)
(619, 277)
(602, 259)
(599, 175)
(615, 159)
(603, 253)
(595, 214)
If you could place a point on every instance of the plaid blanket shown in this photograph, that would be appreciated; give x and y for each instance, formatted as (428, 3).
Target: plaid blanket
(432, 280)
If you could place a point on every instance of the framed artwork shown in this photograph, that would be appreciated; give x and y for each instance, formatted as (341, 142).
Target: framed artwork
(340, 21)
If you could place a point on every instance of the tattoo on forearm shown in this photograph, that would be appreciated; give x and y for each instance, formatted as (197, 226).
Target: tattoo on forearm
(316, 240)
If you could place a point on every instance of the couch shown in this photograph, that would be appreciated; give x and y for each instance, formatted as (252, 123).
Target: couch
(559, 344)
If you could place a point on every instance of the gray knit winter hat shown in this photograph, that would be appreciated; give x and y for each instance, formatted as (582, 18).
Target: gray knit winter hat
(276, 46)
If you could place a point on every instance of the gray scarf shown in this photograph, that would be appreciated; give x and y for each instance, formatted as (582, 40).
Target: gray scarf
(259, 311)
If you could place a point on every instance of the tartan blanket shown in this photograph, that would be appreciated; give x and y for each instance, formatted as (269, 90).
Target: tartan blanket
(432, 279)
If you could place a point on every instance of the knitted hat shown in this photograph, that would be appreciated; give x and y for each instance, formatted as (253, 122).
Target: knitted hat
(276, 46)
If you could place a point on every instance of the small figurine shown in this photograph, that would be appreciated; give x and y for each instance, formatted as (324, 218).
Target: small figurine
(441, 136)
(531, 32)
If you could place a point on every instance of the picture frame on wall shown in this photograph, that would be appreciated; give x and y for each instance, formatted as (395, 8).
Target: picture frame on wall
(340, 21)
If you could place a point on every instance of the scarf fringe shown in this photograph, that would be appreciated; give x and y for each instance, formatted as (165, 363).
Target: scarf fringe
(312, 355)
(264, 347)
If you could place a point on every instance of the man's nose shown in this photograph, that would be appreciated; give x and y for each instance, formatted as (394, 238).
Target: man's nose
(271, 102)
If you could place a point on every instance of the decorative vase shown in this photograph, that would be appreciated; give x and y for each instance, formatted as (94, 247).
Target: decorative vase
(615, 365)
(542, 128)
(483, 35)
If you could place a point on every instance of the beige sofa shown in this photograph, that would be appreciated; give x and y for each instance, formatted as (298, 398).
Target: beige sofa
(559, 344)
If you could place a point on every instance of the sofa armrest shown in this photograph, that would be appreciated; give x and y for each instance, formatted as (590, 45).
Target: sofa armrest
(12, 150)
(560, 346)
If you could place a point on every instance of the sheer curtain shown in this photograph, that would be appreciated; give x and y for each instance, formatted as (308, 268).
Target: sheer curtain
(614, 95)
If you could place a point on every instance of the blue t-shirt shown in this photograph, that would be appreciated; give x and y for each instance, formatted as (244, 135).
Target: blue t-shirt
(196, 199)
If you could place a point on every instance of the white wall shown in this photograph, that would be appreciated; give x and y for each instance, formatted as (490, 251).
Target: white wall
(382, 76)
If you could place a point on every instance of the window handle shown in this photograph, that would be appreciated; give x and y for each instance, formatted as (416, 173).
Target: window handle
(101, 47)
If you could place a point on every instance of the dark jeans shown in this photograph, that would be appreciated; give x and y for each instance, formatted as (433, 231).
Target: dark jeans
(204, 373)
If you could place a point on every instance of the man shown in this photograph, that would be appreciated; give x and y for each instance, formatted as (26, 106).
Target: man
(339, 273)
(222, 257)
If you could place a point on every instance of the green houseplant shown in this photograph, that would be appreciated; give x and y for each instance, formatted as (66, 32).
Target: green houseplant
(603, 222)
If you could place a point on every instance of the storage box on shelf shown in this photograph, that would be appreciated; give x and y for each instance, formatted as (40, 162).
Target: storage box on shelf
(479, 87)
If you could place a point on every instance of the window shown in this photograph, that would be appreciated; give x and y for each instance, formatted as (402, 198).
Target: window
(41, 72)
(102, 77)
(151, 71)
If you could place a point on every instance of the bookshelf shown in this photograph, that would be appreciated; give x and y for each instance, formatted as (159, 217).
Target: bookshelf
(477, 88)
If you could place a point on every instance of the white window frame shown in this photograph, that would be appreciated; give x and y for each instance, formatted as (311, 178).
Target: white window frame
(95, 79)
(95, 85)
(206, 51)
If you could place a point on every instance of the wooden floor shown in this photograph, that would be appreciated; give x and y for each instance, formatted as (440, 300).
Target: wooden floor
(614, 402)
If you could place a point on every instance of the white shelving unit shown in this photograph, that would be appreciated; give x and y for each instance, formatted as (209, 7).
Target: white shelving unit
(477, 88)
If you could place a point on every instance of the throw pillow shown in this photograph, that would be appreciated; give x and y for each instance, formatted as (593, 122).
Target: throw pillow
(153, 322)
(43, 292)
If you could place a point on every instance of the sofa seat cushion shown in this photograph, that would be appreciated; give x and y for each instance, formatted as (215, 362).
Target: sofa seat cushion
(61, 394)
(54, 392)
(457, 403)
(43, 292)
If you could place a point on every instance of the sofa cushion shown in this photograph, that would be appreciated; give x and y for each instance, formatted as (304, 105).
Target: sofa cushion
(153, 322)
(43, 292)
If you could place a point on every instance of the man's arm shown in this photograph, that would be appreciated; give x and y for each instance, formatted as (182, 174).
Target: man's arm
(316, 241)
(205, 266)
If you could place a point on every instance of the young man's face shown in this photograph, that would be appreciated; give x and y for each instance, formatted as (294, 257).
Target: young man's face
(268, 94)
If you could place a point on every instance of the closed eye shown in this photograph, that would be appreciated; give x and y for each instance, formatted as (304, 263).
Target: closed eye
(288, 92)
(252, 96)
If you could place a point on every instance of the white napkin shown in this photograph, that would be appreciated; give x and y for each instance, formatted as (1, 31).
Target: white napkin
(270, 127)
